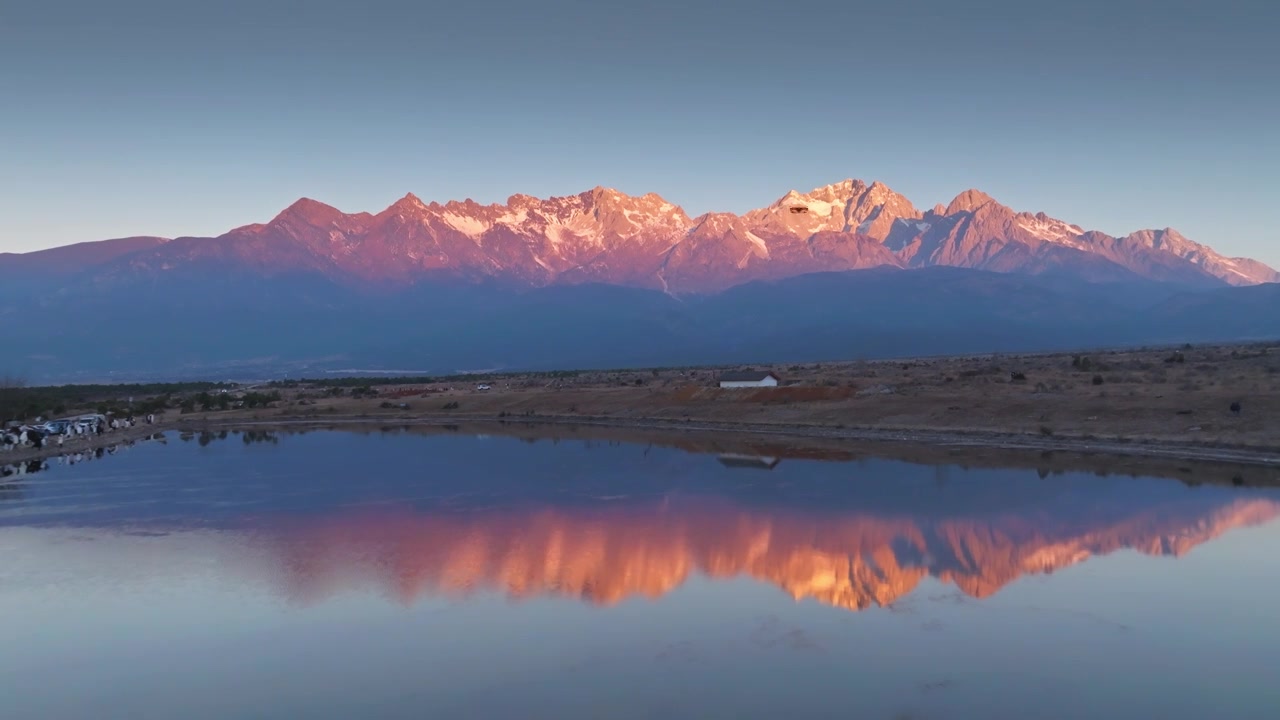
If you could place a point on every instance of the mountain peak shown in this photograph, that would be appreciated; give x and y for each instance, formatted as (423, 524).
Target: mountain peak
(625, 215)
(1161, 239)
(409, 202)
(968, 201)
(837, 192)
(1234, 271)
(606, 235)
(310, 212)
(846, 186)
(520, 200)
(601, 194)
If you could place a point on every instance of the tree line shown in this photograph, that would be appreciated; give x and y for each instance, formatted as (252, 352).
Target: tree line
(20, 402)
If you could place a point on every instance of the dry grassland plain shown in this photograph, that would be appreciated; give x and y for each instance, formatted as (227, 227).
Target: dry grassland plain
(1211, 404)
(1179, 396)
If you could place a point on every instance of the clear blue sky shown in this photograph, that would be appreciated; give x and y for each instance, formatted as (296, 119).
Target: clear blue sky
(171, 118)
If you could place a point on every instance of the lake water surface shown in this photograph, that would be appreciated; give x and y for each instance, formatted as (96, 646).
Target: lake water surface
(396, 575)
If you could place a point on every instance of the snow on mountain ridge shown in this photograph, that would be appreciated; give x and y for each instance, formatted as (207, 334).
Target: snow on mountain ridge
(604, 235)
(1051, 230)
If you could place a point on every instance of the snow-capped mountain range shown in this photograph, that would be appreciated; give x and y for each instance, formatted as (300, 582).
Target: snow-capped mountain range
(605, 236)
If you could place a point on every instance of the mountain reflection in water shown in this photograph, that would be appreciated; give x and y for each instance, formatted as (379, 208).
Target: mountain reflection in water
(604, 523)
(344, 574)
(605, 555)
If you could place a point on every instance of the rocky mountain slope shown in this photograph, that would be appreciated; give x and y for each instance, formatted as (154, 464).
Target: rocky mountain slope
(603, 279)
(605, 236)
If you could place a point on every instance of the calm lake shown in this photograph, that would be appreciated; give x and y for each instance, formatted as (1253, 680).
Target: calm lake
(398, 575)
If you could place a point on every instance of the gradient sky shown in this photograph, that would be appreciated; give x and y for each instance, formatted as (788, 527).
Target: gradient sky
(173, 118)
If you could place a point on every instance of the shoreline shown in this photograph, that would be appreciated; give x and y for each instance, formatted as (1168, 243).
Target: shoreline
(1262, 457)
(929, 437)
(1143, 403)
(1179, 461)
(85, 443)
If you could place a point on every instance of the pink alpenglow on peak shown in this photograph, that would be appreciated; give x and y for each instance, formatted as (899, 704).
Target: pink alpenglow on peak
(607, 236)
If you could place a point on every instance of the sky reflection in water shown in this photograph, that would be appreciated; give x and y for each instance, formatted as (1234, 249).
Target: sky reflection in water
(394, 575)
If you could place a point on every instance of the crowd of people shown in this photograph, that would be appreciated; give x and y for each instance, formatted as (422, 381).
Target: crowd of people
(67, 429)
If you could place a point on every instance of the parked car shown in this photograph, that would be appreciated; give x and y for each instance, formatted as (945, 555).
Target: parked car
(55, 427)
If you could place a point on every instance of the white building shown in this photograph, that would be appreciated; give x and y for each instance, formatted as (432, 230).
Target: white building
(748, 379)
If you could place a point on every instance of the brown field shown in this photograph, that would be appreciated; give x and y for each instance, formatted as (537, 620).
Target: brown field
(1171, 403)
(1123, 396)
